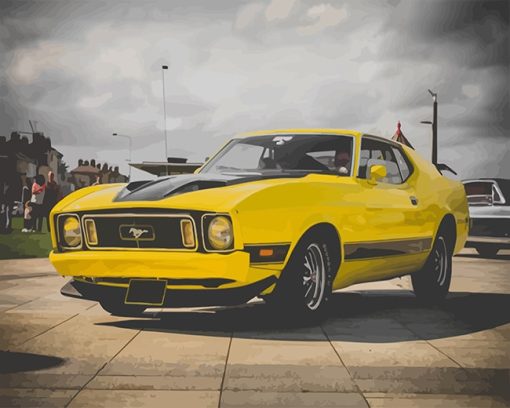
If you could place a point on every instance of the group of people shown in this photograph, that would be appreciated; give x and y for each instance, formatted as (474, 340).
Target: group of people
(43, 197)
(38, 197)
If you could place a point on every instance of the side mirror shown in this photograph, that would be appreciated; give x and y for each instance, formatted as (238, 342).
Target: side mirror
(377, 172)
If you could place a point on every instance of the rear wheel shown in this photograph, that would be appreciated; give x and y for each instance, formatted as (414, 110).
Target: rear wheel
(118, 308)
(487, 251)
(305, 284)
(432, 282)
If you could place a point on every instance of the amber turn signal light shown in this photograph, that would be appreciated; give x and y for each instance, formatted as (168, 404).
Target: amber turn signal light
(266, 252)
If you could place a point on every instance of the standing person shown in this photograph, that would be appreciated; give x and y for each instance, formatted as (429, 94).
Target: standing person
(98, 180)
(38, 192)
(51, 197)
(27, 218)
(26, 192)
(3, 209)
(10, 198)
(7, 199)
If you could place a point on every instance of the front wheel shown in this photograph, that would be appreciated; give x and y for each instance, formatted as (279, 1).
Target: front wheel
(432, 282)
(305, 284)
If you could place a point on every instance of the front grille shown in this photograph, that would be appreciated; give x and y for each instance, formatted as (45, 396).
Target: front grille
(490, 227)
(139, 231)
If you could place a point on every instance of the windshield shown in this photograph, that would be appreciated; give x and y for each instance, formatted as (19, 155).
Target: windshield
(329, 154)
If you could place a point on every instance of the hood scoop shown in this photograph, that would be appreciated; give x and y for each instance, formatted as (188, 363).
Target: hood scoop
(164, 187)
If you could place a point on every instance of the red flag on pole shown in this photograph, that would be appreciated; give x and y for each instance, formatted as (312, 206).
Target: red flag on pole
(399, 137)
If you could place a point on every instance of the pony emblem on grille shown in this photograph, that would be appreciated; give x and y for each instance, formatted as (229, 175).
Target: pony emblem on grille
(137, 233)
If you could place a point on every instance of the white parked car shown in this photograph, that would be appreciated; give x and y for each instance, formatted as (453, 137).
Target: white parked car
(489, 210)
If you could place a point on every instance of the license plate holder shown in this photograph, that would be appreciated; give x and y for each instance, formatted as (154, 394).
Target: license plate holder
(148, 292)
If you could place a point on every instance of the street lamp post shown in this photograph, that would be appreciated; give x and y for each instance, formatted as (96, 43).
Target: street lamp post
(130, 138)
(163, 69)
(434, 127)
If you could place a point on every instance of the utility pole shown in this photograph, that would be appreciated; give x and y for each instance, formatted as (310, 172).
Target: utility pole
(163, 69)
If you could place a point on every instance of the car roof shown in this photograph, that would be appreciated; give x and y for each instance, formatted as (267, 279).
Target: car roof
(301, 131)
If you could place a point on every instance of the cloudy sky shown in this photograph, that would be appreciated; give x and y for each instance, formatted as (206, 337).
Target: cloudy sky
(85, 69)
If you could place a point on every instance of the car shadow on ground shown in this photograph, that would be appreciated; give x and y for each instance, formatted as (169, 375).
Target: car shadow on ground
(371, 316)
(12, 362)
(498, 257)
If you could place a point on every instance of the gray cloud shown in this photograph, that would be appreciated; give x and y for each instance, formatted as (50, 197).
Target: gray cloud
(86, 69)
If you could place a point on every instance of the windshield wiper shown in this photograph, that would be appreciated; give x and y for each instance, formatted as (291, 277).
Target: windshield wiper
(329, 172)
(228, 168)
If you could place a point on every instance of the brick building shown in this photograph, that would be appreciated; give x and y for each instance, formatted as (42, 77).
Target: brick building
(86, 172)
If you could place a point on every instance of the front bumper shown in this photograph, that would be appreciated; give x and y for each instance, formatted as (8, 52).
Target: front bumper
(234, 266)
(493, 230)
(193, 279)
(500, 242)
(174, 297)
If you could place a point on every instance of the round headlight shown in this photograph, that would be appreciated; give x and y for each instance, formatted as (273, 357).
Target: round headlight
(71, 232)
(220, 233)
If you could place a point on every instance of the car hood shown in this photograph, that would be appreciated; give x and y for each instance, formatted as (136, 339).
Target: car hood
(191, 191)
(165, 187)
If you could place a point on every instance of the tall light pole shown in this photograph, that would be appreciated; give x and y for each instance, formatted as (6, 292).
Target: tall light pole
(434, 128)
(428, 122)
(130, 138)
(163, 69)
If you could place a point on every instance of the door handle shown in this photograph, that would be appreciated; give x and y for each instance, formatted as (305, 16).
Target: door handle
(414, 200)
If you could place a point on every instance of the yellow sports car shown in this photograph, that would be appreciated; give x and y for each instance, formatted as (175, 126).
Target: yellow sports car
(288, 216)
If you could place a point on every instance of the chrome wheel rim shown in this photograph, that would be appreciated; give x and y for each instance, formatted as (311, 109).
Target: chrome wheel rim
(441, 261)
(314, 278)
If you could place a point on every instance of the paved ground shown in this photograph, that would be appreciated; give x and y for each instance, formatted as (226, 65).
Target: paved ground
(377, 348)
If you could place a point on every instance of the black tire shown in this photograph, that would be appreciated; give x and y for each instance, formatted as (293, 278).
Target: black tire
(304, 287)
(118, 308)
(487, 251)
(432, 282)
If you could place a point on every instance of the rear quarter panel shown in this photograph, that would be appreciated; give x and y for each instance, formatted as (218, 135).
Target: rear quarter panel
(441, 196)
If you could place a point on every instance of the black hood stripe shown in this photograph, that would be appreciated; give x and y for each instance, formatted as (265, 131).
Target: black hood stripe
(167, 186)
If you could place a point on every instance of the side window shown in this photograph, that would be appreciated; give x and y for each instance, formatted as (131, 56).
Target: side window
(403, 164)
(375, 152)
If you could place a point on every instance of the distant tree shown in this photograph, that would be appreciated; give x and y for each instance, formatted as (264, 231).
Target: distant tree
(63, 170)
